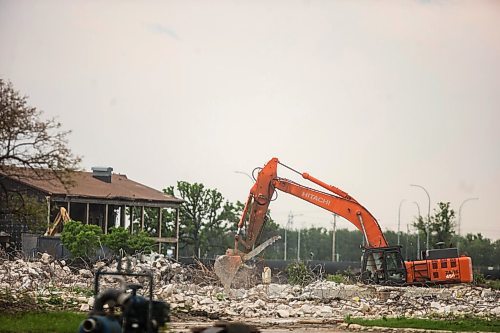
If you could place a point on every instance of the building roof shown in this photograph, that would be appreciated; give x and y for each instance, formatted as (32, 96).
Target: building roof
(85, 185)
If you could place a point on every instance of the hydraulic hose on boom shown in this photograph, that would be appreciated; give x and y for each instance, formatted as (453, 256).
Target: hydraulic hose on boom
(337, 201)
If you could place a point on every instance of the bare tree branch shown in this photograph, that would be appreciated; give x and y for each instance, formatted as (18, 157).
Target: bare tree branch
(29, 142)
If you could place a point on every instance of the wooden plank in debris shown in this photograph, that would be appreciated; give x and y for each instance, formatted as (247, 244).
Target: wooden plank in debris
(165, 239)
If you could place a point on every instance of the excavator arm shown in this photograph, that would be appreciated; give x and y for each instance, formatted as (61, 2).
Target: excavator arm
(337, 201)
(254, 217)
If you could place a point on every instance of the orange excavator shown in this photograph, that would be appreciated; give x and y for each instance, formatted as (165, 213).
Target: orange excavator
(381, 263)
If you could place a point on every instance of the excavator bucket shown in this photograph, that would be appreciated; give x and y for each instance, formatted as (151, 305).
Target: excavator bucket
(226, 266)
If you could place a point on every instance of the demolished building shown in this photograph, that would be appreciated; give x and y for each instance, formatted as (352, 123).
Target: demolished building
(99, 197)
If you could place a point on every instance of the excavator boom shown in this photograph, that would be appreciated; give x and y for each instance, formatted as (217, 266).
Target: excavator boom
(338, 202)
(349, 209)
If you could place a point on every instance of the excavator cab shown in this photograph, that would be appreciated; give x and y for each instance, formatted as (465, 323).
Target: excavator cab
(383, 265)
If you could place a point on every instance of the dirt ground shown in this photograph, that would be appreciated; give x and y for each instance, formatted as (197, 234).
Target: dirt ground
(268, 326)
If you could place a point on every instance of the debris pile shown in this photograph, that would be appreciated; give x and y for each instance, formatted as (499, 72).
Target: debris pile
(324, 299)
(196, 291)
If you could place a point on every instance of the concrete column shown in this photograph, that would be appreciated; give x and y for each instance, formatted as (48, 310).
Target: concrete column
(87, 212)
(142, 218)
(122, 216)
(160, 215)
(160, 212)
(106, 211)
(131, 226)
(48, 211)
(177, 234)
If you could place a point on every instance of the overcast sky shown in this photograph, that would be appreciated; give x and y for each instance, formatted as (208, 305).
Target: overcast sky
(369, 96)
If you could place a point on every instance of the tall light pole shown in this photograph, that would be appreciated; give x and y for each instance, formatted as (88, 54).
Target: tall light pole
(407, 236)
(418, 231)
(399, 218)
(428, 214)
(289, 225)
(460, 218)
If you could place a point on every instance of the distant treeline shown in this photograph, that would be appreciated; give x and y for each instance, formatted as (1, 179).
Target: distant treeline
(316, 244)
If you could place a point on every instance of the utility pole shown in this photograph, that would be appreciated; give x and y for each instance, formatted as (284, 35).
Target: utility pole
(334, 236)
(298, 246)
(286, 227)
(289, 225)
(407, 236)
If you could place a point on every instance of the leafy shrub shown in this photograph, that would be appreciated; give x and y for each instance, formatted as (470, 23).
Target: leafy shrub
(120, 239)
(299, 273)
(479, 279)
(141, 242)
(117, 239)
(493, 284)
(220, 296)
(338, 278)
(82, 240)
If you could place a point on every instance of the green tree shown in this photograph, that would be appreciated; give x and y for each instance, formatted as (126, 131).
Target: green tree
(316, 243)
(151, 218)
(216, 238)
(480, 249)
(205, 217)
(441, 225)
(348, 245)
(496, 254)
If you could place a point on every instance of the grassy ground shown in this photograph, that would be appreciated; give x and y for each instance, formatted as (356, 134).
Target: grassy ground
(493, 284)
(48, 322)
(456, 324)
(68, 322)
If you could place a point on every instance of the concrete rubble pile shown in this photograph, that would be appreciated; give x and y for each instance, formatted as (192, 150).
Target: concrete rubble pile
(56, 285)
